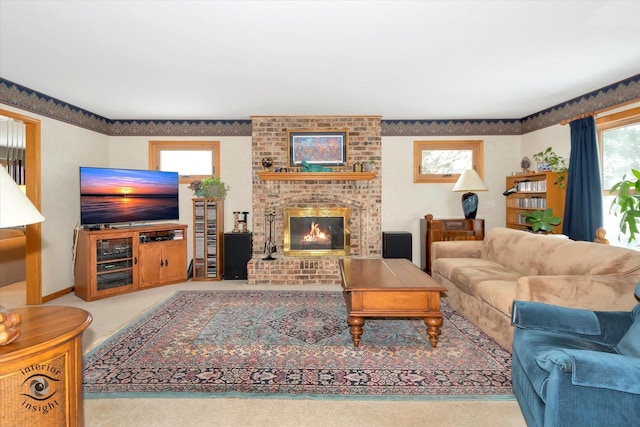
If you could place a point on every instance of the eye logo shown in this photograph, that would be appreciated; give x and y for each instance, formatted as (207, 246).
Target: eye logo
(41, 387)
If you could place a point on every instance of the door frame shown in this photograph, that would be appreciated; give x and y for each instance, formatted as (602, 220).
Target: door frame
(33, 183)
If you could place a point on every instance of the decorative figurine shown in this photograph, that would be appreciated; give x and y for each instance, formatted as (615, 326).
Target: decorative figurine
(600, 236)
(525, 164)
(306, 167)
(9, 327)
(267, 162)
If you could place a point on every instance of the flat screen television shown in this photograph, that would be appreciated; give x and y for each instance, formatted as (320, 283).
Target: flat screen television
(118, 196)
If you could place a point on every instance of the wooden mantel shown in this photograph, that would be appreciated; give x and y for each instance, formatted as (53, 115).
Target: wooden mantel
(317, 176)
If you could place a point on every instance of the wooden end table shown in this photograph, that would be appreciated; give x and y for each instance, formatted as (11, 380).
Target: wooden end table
(41, 372)
(389, 288)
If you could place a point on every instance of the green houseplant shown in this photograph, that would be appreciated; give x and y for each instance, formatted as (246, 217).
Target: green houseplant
(626, 203)
(212, 188)
(542, 220)
(548, 160)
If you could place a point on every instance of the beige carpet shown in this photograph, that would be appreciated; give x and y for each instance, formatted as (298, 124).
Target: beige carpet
(109, 315)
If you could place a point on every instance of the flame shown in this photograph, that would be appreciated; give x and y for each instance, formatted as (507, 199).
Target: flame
(315, 233)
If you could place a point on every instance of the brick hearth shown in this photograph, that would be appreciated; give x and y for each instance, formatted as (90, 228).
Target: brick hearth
(269, 139)
(294, 271)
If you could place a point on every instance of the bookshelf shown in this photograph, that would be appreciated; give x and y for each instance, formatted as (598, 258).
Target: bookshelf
(535, 191)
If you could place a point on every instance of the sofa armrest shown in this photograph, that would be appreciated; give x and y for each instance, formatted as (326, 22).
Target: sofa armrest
(553, 318)
(456, 249)
(595, 369)
(596, 292)
(606, 327)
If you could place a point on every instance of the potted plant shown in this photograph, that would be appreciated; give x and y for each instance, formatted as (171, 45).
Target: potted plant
(211, 188)
(627, 203)
(548, 160)
(542, 220)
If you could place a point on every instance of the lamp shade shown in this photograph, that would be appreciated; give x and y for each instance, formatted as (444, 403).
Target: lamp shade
(15, 207)
(469, 181)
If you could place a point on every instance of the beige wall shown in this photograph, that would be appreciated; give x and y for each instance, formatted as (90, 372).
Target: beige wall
(558, 137)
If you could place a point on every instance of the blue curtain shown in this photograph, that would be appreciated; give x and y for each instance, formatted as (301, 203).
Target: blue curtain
(583, 205)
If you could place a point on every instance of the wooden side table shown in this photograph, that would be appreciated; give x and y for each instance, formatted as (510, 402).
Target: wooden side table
(41, 372)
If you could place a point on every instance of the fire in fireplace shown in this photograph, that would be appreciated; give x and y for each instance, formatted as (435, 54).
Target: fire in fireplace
(316, 231)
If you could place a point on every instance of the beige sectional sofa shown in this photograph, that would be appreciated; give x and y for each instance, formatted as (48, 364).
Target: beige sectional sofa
(12, 255)
(483, 278)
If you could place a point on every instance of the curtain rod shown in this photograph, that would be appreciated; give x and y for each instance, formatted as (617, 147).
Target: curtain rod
(596, 112)
(578, 117)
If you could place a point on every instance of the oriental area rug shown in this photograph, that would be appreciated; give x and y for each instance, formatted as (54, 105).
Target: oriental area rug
(291, 344)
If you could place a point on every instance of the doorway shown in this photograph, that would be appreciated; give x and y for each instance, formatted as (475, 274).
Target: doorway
(33, 188)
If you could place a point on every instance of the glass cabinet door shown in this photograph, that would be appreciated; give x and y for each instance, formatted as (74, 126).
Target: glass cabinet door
(114, 263)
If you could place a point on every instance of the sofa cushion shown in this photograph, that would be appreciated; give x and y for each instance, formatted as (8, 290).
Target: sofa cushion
(521, 251)
(602, 292)
(466, 273)
(536, 254)
(445, 266)
(498, 294)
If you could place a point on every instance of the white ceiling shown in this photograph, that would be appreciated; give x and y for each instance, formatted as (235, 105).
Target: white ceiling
(399, 59)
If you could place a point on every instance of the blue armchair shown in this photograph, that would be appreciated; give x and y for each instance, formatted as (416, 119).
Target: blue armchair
(575, 367)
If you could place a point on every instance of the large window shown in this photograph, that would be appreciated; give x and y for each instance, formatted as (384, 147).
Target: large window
(619, 139)
(191, 159)
(444, 161)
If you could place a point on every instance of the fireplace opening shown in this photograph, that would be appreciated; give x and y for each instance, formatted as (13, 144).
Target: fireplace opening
(316, 231)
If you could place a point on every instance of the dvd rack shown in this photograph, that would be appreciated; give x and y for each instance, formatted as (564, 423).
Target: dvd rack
(207, 239)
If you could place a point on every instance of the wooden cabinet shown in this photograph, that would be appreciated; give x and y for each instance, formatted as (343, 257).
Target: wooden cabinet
(115, 261)
(439, 230)
(535, 191)
(162, 262)
(208, 238)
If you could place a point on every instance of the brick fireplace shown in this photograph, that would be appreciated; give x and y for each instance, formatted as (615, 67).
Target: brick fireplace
(362, 198)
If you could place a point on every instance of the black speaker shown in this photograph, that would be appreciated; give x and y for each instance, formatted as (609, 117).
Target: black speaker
(238, 248)
(396, 244)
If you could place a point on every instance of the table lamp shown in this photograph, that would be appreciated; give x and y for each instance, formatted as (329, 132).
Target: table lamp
(468, 182)
(15, 209)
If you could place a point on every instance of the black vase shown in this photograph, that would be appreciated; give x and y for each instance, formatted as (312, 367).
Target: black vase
(470, 205)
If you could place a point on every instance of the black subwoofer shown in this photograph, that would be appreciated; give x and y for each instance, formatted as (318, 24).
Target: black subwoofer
(396, 244)
(237, 252)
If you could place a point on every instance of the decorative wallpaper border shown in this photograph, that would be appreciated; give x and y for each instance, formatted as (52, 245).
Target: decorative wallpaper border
(27, 99)
(624, 91)
(450, 127)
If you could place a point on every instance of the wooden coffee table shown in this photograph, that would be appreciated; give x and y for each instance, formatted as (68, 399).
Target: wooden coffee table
(389, 288)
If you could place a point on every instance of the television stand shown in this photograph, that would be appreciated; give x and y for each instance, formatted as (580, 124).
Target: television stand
(114, 261)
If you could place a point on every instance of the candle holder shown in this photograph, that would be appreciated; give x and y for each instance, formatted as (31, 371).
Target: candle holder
(240, 222)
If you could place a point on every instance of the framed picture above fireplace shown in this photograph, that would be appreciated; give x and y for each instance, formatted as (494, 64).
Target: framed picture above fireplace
(326, 148)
